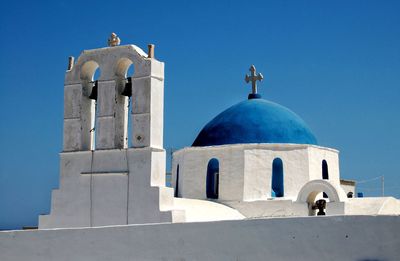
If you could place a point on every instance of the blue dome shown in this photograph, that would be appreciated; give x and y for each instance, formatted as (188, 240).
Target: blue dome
(255, 121)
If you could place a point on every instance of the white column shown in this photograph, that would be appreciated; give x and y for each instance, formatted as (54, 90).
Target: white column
(78, 109)
(148, 108)
(111, 121)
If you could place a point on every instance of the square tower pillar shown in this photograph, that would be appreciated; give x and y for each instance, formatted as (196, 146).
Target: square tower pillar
(111, 122)
(78, 121)
(148, 108)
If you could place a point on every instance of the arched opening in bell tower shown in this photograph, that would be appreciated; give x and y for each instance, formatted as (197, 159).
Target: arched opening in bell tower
(124, 72)
(90, 75)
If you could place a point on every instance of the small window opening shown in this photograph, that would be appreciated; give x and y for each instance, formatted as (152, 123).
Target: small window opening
(177, 182)
(277, 178)
(212, 180)
(325, 174)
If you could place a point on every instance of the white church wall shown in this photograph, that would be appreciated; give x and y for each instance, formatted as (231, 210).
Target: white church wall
(316, 156)
(109, 199)
(246, 169)
(373, 206)
(349, 186)
(258, 170)
(269, 208)
(204, 210)
(69, 203)
(193, 164)
(257, 175)
(342, 238)
(94, 189)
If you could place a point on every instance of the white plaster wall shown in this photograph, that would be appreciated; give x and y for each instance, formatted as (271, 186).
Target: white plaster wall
(78, 111)
(110, 187)
(316, 156)
(205, 210)
(349, 188)
(312, 238)
(246, 169)
(373, 206)
(193, 164)
(109, 199)
(147, 112)
(269, 208)
(258, 170)
(111, 121)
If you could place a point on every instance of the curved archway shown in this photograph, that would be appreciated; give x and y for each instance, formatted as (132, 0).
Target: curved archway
(89, 73)
(212, 180)
(311, 189)
(88, 70)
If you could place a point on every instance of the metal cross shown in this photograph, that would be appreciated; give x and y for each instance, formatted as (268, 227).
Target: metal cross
(253, 78)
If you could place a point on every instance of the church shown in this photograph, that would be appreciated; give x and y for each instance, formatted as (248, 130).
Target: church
(255, 183)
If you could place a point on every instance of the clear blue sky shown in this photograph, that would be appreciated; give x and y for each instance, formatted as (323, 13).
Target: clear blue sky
(335, 63)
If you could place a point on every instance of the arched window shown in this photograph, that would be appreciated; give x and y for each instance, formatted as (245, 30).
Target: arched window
(212, 181)
(177, 182)
(325, 174)
(277, 178)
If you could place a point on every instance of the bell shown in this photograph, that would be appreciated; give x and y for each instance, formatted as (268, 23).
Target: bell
(320, 205)
(93, 94)
(128, 87)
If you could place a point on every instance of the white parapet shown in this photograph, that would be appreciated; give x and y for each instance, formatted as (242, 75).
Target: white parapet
(344, 238)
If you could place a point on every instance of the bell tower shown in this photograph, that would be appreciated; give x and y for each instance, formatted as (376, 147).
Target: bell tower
(104, 181)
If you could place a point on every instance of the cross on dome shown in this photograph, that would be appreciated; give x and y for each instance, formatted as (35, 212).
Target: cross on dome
(253, 78)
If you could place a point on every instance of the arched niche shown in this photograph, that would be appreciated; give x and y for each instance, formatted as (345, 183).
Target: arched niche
(325, 170)
(212, 179)
(325, 173)
(176, 194)
(277, 186)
